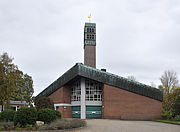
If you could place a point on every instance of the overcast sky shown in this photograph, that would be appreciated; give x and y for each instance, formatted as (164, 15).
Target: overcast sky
(134, 37)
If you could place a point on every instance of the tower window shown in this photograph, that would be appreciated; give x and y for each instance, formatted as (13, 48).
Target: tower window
(93, 30)
(87, 36)
(92, 36)
(87, 29)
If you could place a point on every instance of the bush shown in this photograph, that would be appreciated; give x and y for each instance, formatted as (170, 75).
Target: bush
(25, 116)
(43, 103)
(167, 114)
(6, 126)
(58, 114)
(176, 106)
(7, 115)
(46, 115)
(61, 124)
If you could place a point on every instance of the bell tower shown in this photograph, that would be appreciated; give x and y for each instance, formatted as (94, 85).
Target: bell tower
(90, 44)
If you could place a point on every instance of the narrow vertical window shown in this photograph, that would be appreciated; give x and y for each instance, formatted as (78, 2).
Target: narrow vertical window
(93, 30)
(93, 37)
(87, 36)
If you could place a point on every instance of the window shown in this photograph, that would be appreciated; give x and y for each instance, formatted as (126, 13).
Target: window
(92, 36)
(57, 107)
(93, 90)
(76, 91)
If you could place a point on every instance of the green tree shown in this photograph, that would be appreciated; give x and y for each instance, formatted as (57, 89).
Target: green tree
(24, 88)
(177, 106)
(17, 94)
(44, 102)
(14, 85)
(7, 78)
(28, 88)
(169, 87)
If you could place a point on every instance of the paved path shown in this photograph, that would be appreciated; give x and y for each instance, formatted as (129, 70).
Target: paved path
(105, 125)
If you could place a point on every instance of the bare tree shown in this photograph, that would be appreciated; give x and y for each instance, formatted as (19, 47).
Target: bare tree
(169, 81)
(152, 84)
(131, 78)
(170, 89)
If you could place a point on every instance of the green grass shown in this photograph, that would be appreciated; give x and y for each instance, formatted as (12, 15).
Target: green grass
(169, 121)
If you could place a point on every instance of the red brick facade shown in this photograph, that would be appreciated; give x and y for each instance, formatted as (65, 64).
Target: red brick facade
(121, 104)
(116, 104)
(63, 96)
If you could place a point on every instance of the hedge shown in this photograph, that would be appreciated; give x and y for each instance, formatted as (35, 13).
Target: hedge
(7, 115)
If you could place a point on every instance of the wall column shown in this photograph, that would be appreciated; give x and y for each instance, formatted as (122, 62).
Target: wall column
(83, 99)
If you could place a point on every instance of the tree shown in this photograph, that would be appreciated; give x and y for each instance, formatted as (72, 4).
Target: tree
(177, 106)
(169, 81)
(132, 78)
(14, 85)
(28, 89)
(152, 84)
(7, 78)
(43, 103)
(24, 88)
(169, 87)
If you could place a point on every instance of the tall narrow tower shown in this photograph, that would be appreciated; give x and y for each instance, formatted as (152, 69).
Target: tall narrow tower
(90, 44)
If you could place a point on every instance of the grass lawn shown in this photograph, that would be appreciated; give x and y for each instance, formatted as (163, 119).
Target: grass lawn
(169, 121)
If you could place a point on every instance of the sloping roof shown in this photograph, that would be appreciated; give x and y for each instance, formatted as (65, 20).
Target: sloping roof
(104, 77)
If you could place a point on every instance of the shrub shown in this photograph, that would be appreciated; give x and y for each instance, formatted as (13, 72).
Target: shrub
(7, 115)
(61, 124)
(46, 115)
(176, 106)
(6, 126)
(58, 114)
(25, 116)
(167, 114)
(44, 102)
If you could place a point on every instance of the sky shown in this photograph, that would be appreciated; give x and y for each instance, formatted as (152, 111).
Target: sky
(139, 38)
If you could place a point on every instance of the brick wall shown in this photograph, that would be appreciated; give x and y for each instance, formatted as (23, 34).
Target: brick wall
(63, 96)
(90, 55)
(118, 103)
(57, 96)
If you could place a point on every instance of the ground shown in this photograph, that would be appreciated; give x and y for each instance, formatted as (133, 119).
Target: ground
(106, 125)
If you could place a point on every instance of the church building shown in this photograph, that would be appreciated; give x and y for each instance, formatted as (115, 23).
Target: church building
(86, 92)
